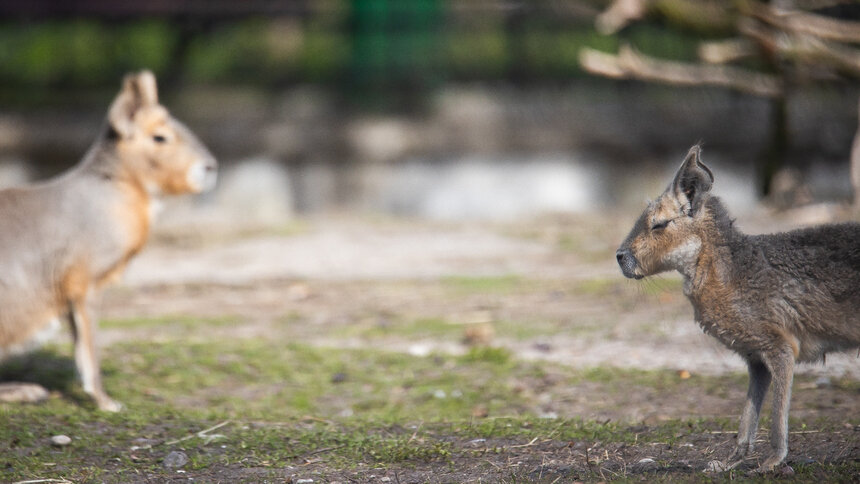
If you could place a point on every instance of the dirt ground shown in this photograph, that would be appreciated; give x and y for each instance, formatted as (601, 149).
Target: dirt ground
(336, 270)
(547, 290)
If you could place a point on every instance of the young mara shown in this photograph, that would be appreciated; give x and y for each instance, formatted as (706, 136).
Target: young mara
(774, 299)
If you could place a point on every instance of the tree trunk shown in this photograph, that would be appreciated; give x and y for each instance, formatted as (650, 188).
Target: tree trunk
(855, 164)
(774, 157)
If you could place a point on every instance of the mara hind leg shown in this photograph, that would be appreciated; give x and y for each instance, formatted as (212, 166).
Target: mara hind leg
(780, 362)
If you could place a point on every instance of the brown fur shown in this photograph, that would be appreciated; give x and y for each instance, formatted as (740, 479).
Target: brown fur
(774, 299)
(65, 238)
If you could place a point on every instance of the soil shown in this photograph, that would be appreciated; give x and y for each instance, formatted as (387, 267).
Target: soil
(334, 274)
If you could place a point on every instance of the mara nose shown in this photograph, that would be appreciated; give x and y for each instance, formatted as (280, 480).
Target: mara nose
(620, 255)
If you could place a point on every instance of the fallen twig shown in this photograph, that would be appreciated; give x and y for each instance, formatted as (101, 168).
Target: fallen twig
(415, 434)
(201, 434)
(324, 449)
(524, 445)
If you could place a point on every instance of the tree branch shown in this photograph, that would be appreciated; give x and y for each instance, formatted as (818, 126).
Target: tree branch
(629, 64)
(802, 48)
(808, 23)
(725, 51)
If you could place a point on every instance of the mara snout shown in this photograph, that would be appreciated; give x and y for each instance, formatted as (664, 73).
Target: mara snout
(65, 238)
(774, 299)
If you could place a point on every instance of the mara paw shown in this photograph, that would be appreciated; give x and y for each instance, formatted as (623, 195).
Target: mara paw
(107, 404)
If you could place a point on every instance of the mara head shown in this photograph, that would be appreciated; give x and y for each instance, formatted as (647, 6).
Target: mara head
(154, 148)
(668, 234)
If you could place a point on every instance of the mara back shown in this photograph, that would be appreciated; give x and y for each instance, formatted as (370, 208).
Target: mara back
(805, 281)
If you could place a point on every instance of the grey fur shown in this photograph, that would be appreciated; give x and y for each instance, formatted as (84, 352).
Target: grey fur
(775, 299)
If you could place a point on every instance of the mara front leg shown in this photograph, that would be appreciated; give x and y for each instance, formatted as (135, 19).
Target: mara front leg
(86, 356)
(760, 378)
(780, 362)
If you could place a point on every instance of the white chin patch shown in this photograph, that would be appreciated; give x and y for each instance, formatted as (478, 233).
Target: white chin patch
(684, 255)
(199, 178)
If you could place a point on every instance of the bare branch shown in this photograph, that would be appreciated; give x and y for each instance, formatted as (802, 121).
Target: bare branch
(619, 14)
(700, 15)
(629, 64)
(725, 51)
(803, 49)
(808, 23)
(819, 4)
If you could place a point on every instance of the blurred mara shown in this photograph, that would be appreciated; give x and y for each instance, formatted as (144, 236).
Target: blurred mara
(774, 299)
(63, 239)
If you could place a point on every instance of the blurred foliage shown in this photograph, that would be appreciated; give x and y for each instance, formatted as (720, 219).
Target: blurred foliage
(81, 52)
(358, 47)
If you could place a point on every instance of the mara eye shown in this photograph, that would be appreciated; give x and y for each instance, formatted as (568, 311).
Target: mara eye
(159, 139)
(660, 225)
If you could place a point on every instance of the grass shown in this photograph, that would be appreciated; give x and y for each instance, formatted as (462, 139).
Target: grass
(290, 405)
(656, 286)
(173, 322)
(489, 284)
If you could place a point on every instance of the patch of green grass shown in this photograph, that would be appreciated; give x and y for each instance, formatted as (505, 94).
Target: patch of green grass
(415, 328)
(544, 327)
(493, 284)
(280, 404)
(261, 379)
(618, 285)
(599, 286)
(177, 321)
(487, 354)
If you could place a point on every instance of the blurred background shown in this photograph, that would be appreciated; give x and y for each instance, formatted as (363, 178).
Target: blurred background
(490, 109)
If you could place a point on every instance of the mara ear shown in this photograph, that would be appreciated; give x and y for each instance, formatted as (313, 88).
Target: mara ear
(692, 181)
(138, 91)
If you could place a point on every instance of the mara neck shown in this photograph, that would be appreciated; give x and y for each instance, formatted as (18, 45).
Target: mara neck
(715, 259)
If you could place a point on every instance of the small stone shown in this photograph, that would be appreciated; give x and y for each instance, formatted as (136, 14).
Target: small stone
(715, 467)
(298, 292)
(61, 440)
(684, 375)
(822, 382)
(646, 464)
(144, 443)
(338, 377)
(480, 411)
(304, 481)
(440, 394)
(786, 470)
(385, 479)
(543, 347)
(479, 334)
(175, 459)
